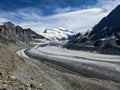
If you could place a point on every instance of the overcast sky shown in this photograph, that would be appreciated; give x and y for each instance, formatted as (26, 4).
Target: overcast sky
(77, 15)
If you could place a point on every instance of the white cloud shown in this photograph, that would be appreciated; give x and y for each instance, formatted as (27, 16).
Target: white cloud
(76, 20)
(2, 20)
(63, 10)
(108, 5)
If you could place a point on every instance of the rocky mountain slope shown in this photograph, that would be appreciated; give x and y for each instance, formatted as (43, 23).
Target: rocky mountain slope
(17, 34)
(7, 65)
(108, 26)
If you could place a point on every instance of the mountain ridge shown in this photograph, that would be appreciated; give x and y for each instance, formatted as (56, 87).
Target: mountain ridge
(17, 34)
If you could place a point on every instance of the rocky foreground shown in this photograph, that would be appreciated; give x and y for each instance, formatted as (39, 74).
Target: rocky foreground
(23, 73)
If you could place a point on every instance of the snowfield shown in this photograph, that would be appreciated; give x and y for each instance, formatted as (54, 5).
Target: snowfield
(89, 64)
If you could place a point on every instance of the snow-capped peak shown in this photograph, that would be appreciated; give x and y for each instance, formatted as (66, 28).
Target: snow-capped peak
(59, 33)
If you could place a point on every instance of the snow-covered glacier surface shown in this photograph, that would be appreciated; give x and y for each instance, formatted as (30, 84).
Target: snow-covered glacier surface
(87, 63)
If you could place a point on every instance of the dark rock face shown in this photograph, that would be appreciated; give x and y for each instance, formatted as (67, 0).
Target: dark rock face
(107, 26)
(78, 41)
(79, 38)
(16, 33)
(75, 38)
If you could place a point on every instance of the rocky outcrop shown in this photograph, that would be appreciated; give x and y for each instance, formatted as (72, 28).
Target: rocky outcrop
(79, 41)
(17, 34)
